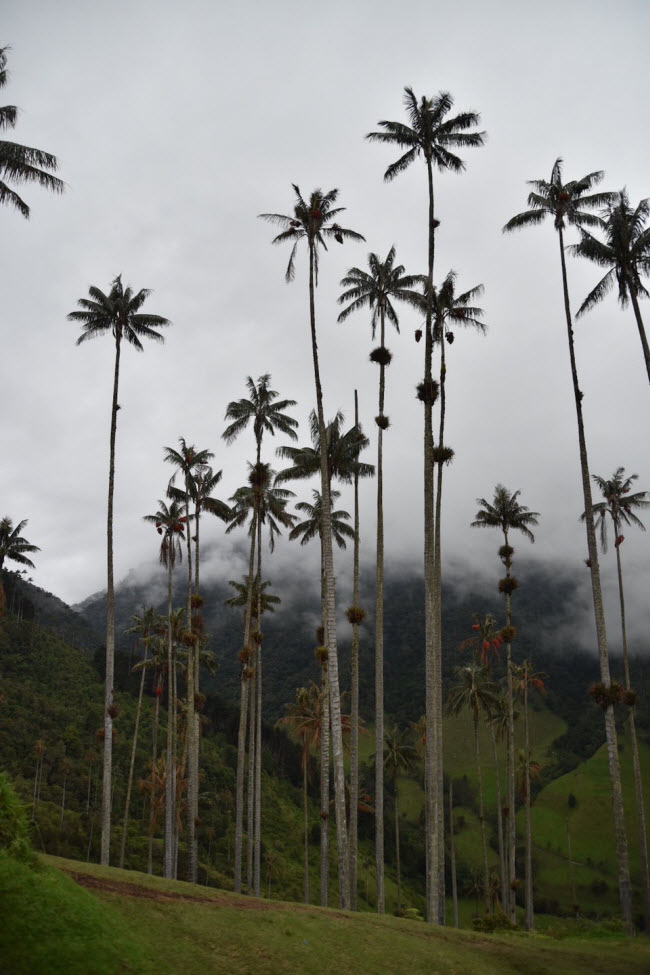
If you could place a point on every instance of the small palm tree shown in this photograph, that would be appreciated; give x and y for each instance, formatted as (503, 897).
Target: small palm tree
(157, 663)
(399, 757)
(170, 523)
(619, 508)
(475, 692)
(429, 134)
(506, 513)
(376, 290)
(13, 546)
(525, 679)
(262, 410)
(314, 222)
(267, 600)
(573, 203)
(118, 314)
(625, 252)
(20, 164)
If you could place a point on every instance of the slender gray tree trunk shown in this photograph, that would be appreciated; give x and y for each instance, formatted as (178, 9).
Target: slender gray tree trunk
(168, 861)
(452, 855)
(110, 626)
(354, 696)
(481, 816)
(397, 859)
(620, 837)
(190, 724)
(502, 857)
(439, 829)
(636, 764)
(250, 796)
(324, 761)
(379, 650)
(530, 910)
(511, 823)
(258, 723)
(241, 737)
(305, 813)
(129, 784)
(330, 596)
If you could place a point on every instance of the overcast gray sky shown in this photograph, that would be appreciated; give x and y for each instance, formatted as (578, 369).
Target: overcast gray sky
(176, 124)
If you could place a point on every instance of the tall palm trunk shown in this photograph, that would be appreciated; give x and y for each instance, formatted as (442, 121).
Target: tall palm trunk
(481, 816)
(241, 736)
(452, 855)
(190, 726)
(324, 760)
(354, 696)
(330, 600)
(105, 852)
(305, 814)
(154, 759)
(620, 837)
(511, 824)
(433, 692)
(397, 858)
(379, 648)
(258, 722)
(642, 335)
(502, 857)
(636, 765)
(170, 791)
(530, 910)
(250, 795)
(129, 784)
(439, 828)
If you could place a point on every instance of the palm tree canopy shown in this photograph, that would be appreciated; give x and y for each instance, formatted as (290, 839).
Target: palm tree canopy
(187, 459)
(565, 202)
(262, 410)
(343, 451)
(312, 526)
(506, 513)
(21, 164)
(268, 600)
(619, 504)
(314, 221)
(448, 308)
(399, 754)
(117, 312)
(374, 289)
(625, 251)
(473, 690)
(270, 503)
(170, 523)
(303, 718)
(12, 545)
(429, 134)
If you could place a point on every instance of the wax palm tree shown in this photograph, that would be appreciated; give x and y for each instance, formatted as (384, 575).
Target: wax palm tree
(573, 203)
(264, 505)
(474, 691)
(314, 222)
(20, 164)
(170, 523)
(432, 136)
(188, 461)
(144, 626)
(525, 679)
(303, 717)
(157, 663)
(312, 527)
(13, 546)
(507, 514)
(377, 290)
(625, 252)
(265, 413)
(118, 314)
(398, 759)
(619, 508)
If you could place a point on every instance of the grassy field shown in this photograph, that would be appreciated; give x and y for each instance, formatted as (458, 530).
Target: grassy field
(130, 923)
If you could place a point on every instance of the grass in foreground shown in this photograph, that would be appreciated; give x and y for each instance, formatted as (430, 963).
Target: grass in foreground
(128, 922)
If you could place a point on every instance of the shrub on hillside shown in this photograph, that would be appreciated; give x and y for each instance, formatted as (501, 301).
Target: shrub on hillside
(14, 831)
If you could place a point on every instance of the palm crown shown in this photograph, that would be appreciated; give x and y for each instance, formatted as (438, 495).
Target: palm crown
(12, 545)
(343, 451)
(505, 513)
(618, 505)
(625, 250)
(312, 526)
(262, 410)
(313, 221)
(268, 600)
(374, 289)
(429, 134)
(117, 312)
(21, 164)
(565, 202)
(259, 496)
(448, 307)
(170, 523)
